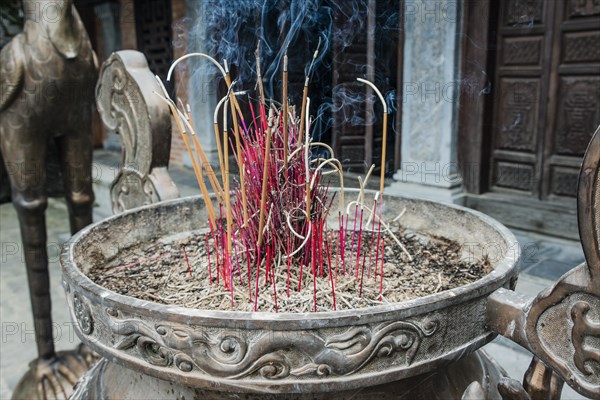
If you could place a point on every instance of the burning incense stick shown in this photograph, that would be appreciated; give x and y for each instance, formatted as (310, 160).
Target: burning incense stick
(265, 220)
(305, 93)
(307, 184)
(284, 101)
(259, 81)
(217, 134)
(209, 58)
(263, 198)
(384, 136)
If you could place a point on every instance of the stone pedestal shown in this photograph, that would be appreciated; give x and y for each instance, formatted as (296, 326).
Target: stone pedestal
(430, 94)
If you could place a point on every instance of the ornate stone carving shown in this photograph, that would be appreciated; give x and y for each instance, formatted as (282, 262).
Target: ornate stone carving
(82, 314)
(235, 354)
(127, 103)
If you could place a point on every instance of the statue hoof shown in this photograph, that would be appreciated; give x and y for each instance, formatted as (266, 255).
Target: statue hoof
(56, 377)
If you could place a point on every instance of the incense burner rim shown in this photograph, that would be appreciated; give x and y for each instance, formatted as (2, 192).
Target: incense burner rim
(505, 268)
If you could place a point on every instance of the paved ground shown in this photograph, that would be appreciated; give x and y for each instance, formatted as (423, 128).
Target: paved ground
(544, 260)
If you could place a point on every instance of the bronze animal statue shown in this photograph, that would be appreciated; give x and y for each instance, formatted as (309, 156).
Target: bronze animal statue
(47, 78)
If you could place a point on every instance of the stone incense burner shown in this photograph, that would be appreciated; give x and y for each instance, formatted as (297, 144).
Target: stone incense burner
(168, 351)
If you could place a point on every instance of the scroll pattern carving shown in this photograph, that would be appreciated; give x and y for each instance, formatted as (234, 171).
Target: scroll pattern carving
(264, 354)
(127, 104)
(583, 328)
(83, 314)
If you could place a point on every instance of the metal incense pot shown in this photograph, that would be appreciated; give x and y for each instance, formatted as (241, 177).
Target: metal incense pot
(427, 347)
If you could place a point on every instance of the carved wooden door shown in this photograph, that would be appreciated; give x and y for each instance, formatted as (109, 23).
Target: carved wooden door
(547, 98)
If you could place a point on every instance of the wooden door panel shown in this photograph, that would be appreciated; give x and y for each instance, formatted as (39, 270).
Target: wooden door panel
(577, 114)
(517, 122)
(520, 89)
(519, 12)
(522, 50)
(581, 47)
(514, 176)
(547, 99)
(574, 106)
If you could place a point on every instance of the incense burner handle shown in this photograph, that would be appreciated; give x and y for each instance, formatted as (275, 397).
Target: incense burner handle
(127, 104)
(561, 325)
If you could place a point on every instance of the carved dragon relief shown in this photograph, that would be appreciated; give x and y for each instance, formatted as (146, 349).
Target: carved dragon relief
(127, 104)
(236, 354)
(561, 326)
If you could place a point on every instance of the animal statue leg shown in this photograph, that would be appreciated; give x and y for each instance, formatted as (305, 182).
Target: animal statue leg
(27, 177)
(51, 375)
(76, 162)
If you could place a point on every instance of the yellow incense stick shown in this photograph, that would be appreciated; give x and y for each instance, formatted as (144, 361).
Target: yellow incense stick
(261, 89)
(197, 171)
(228, 214)
(305, 94)
(238, 146)
(383, 153)
(214, 183)
(209, 169)
(384, 133)
(303, 111)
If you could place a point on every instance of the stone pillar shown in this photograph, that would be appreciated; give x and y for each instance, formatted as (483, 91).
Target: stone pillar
(109, 15)
(430, 90)
(202, 86)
